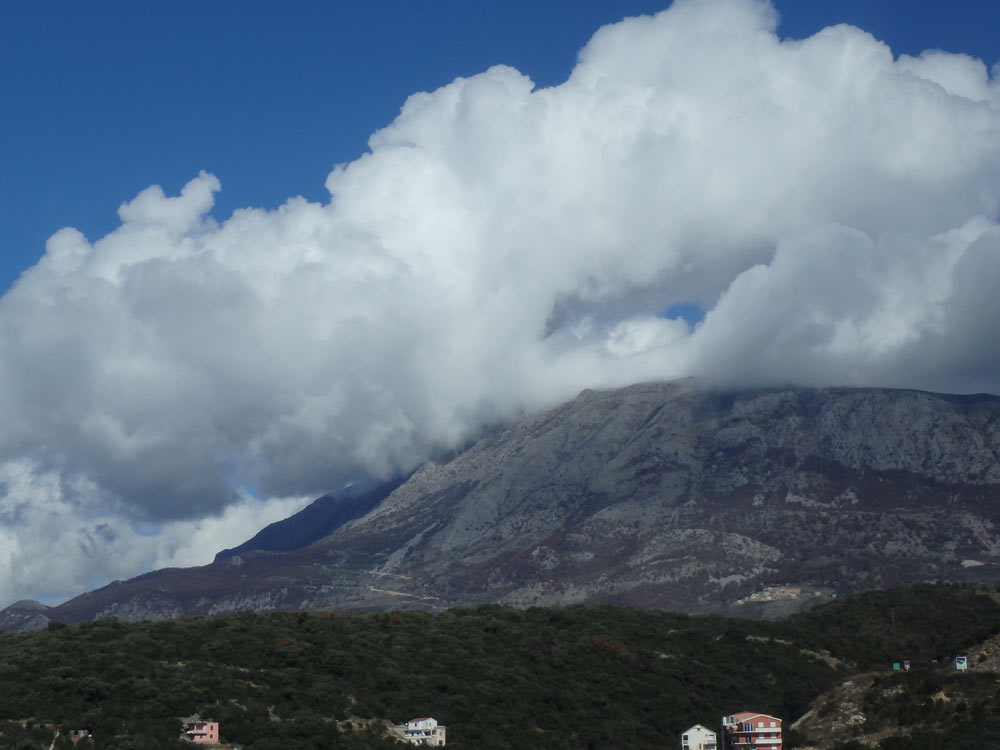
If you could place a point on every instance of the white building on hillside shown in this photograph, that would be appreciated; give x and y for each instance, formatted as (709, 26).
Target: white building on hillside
(699, 737)
(424, 732)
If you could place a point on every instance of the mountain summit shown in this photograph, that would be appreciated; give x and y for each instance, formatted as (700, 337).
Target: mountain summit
(671, 495)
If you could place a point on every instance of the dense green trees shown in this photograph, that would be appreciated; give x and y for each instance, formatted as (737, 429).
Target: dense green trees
(919, 624)
(575, 677)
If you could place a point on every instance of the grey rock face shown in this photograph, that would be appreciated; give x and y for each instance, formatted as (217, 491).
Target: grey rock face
(659, 495)
(667, 494)
(24, 615)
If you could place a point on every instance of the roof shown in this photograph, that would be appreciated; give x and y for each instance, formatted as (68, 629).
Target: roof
(744, 715)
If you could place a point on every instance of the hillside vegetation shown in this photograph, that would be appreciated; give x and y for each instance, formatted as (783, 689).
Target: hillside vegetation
(577, 677)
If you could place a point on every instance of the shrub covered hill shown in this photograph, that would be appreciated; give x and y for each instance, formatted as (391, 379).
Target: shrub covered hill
(576, 677)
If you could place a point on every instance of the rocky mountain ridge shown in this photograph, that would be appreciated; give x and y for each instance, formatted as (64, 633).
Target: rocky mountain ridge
(673, 495)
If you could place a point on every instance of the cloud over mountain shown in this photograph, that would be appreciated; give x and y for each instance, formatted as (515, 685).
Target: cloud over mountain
(831, 209)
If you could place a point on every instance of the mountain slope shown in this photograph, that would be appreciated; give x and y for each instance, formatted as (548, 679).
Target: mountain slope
(320, 518)
(672, 495)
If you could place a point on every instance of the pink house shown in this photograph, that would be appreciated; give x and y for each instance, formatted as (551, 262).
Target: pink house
(747, 730)
(201, 731)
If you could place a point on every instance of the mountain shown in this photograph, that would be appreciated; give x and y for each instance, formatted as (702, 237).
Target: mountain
(318, 519)
(24, 615)
(667, 495)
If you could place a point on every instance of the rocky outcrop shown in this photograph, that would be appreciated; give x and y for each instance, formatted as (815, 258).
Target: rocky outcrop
(668, 495)
(24, 615)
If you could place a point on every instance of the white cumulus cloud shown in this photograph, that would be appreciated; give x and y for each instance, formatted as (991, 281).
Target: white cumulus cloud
(831, 208)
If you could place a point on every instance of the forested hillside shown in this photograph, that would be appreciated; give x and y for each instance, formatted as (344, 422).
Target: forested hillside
(578, 677)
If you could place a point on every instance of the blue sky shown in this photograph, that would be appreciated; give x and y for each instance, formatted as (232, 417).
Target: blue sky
(687, 194)
(102, 99)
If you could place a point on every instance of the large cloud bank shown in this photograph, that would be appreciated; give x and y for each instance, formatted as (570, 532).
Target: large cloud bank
(833, 210)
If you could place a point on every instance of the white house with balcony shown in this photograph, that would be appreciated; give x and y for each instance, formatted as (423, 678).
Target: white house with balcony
(699, 737)
(424, 731)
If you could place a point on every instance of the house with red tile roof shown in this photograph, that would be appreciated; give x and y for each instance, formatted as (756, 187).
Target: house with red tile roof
(748, 730)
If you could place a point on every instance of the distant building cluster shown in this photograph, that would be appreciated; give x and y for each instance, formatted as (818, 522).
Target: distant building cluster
(422, 731)
(745, 730)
